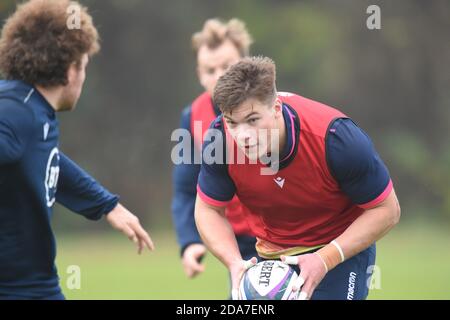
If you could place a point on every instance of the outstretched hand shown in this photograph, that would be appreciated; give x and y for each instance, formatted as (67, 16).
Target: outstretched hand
(123, 220)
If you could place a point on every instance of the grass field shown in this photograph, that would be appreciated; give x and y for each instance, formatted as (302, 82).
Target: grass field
(414, 264)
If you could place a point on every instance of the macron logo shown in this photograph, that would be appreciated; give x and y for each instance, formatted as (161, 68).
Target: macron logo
(279, 181)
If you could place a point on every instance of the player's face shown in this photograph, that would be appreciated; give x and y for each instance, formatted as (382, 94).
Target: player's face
(72, 91)
(213, 63)
(253, 124)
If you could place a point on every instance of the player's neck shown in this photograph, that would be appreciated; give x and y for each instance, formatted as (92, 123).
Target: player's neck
(52, 95)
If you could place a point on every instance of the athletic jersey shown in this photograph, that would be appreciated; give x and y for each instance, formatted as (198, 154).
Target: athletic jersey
(196, 118)
(34, 174)
(329, 174)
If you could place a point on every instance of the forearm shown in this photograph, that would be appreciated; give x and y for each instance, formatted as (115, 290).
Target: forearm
(81, 193)
(216, 232)
(371, 226)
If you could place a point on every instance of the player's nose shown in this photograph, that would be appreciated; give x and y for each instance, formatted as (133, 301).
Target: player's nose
(247, 135)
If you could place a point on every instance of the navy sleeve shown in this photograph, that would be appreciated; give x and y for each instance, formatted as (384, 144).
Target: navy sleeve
(215, 185)
(184, 181)
(16, 124)
(355, 164)
(79, 192)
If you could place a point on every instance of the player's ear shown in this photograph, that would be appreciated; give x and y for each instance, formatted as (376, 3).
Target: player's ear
(72, 71)
(278, 108)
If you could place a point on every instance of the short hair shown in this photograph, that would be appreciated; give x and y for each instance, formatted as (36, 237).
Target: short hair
(37, 46)
(252, 77)
(215, 32)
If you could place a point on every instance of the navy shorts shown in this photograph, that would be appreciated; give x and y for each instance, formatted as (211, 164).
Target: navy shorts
(349, 280)
(247, 246)
(58, 296)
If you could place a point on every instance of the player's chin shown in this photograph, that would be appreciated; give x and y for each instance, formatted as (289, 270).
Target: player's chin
(67, 106)
(251, 153)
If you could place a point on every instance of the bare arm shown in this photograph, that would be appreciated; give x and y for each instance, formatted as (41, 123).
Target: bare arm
(216, 232)
(219, 237)
(371, 226)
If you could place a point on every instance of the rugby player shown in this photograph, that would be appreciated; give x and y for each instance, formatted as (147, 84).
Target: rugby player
(217, 46)
(328, 200)
(44, 64)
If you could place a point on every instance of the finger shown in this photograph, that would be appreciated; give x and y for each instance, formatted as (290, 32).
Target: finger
(129, 232)
(199, 269)
(303, 296)
(196, 266)
(298, 283)
(250, 263)
(187, 267)
(292, 260)
(199, 254)
(193, 263)
(149, 242)
(188, 271)
(307, 291)
(141, 245)
(144, 236)
(196, 269)
(193, 273)
(235, 294)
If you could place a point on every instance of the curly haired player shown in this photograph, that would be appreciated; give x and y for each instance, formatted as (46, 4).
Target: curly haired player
(44, 64)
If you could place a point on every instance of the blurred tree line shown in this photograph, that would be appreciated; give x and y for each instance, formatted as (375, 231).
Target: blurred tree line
(394, 82)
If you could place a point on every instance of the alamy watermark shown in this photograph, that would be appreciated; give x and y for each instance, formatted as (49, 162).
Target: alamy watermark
(254, 146)
(73, 281)
(373, 282)
(373, 22)
(73, 17)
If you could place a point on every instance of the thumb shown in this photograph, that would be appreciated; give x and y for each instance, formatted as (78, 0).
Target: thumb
(298, 283)
(292, 260)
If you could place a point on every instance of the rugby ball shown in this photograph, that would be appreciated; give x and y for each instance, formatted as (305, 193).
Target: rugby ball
(268, 280)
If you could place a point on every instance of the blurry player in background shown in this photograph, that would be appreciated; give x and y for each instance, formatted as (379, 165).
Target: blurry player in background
(217, 46)
(327, 201)
(44, 63)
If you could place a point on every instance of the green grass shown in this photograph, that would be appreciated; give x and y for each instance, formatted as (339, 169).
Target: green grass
(111, 269)
(414, 264)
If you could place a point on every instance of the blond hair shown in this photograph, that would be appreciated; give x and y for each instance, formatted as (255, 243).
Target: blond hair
(215, 32)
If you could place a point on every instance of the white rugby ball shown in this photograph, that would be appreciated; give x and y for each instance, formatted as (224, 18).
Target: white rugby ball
(268, 280)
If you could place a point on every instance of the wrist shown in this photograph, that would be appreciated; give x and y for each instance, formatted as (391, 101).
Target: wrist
(233, 263)
(331, 255)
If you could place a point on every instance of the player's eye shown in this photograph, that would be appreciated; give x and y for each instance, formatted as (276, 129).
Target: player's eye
(231, 124)
(252, 120)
